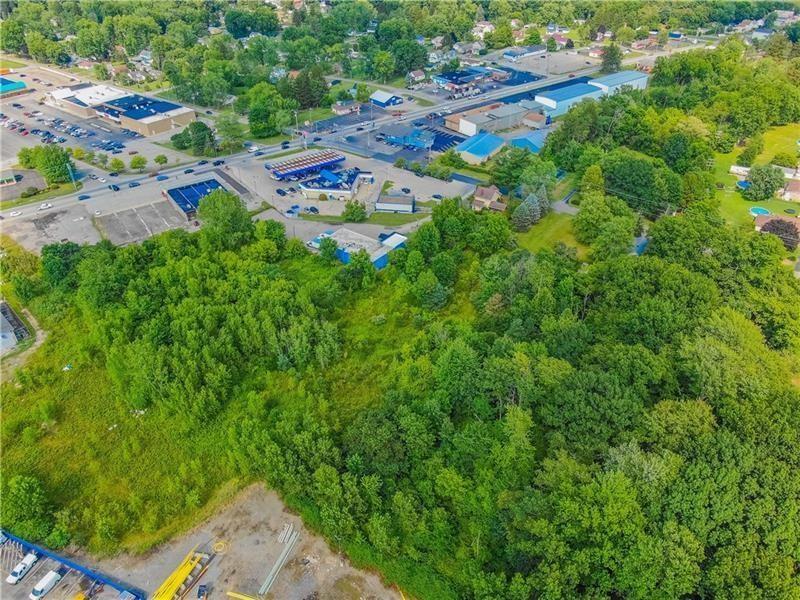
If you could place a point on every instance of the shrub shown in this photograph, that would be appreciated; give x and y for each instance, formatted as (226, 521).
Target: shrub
(28, 192)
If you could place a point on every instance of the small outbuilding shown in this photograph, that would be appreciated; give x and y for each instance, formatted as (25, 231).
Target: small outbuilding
(395, 203)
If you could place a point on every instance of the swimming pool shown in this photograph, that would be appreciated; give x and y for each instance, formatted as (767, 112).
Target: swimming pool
(758, 211)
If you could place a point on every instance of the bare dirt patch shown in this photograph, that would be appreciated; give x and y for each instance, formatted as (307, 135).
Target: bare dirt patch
(246, 534)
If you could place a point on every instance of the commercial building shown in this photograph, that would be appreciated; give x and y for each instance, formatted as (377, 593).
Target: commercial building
(515, 54)
(557, 102)
(503, 117)
(145, 116)
(479, 148)
(406, 135)
(385, 99)
(533, 141)
(349, 242)
(339, 185)
(188, 197)
(11, 87)
(455, 81)
(300, 166)
(396, 203)
(615, 82)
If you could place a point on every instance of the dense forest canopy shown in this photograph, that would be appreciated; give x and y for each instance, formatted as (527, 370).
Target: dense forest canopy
(476, 421)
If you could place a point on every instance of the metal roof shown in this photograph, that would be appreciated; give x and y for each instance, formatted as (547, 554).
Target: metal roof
(571, 91)
(620, 78)
(482, 144)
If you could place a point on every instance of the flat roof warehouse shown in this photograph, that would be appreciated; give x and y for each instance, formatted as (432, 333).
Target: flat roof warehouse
(309, 163)
(144, 115)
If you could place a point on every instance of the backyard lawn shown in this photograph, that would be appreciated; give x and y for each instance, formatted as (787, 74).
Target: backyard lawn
(734, 207)
(7, 63)
(554, 228)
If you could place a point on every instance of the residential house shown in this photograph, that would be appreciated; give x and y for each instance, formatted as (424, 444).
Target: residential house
(417, 76)
(86, 64)
(345, 107)
(792, 190)
(434, 58)
(762, 220)
(489, 198)
(561, 40)
(596, 53)
(481, 29)
(437, 42)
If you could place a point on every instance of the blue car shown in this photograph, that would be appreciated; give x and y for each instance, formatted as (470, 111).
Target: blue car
(84, 197)
(162, 177)
(113, 187)
(134, 184)
(280, 192)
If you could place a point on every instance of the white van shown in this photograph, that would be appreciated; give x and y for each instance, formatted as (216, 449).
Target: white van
(22, 568)
(46, 583)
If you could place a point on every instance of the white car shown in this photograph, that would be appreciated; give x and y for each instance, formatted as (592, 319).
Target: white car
(22, 568)
(101, 179)
(15, 213)
(46, 583)
(253, 149)
(45, 206)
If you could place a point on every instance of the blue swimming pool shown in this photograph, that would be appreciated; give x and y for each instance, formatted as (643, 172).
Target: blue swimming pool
(758, 211)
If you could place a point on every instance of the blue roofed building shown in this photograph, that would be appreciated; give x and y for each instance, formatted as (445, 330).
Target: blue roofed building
(557, 102)
(141, 114)
(405, 135)
(10, 87)
(515, 54)
(533, 141)
(349, 242)
(455, 81)
(479, 148)
(616, 82)
(188, 197)
(338, 185)
(385, 99)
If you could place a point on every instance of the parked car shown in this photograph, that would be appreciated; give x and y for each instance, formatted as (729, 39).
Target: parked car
(46, 583)
(15, 213)
(317, 139)
(313, 210)
(437, 196)
(17, 105)
(253, 149)
(113, 174)
(134, 184)
(133, 152)
(45, 206)
(259, 153)
(18, 572)
(203, 162)
(280, 192)
(84, 197)
(406, 190)
(162, 177)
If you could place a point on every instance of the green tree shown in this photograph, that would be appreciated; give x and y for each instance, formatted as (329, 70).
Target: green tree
(551, 44)
(160, 160)
(764, 180)
(231, 132)
(26, 511)
(612, 59)
(226, 222)
(138, 163)
(429, 292)
(117, 165)
(534, 38)
(328, 248)
(354, 212)
(383, 65)
(362, 93)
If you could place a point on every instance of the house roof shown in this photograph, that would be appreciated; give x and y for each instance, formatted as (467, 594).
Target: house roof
(762, 220)
(793, 185)
(486, 192)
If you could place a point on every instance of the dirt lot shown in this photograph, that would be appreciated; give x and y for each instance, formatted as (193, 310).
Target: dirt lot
(247, 533)
(40, 228)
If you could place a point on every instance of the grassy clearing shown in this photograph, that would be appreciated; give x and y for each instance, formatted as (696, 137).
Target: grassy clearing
(548, 232)
(267, 141)
(734, 207)
(376, 218)
(62, 190)
(387, 185)
(7, 63)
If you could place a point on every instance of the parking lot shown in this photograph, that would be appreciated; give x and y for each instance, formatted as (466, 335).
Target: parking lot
(137, 224)
(72, 223)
